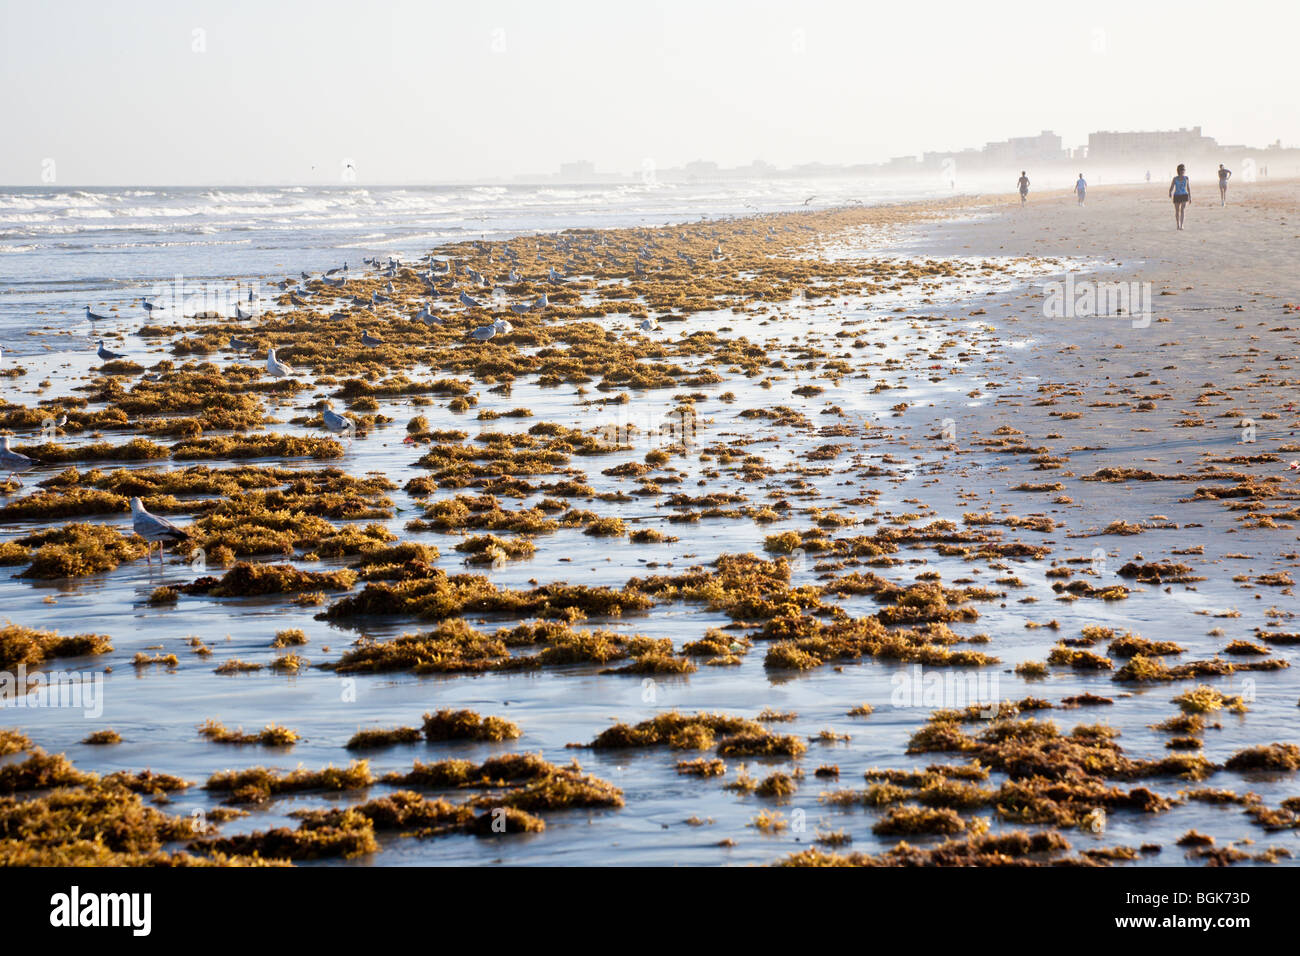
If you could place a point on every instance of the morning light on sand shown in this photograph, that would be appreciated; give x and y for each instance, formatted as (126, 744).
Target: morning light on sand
(629, 437)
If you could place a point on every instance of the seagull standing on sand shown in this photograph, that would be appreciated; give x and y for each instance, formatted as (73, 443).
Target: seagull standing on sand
(484, 332)
(152, 528)
(94, 317)
(369, 340)
(275, 366)
(13, 462)
(469, 301)
(106, 355)
(502, 327)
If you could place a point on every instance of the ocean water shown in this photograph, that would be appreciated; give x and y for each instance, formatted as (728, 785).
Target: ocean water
(63, 247)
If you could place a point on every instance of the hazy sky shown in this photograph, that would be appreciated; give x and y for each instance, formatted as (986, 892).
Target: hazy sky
(161, 92)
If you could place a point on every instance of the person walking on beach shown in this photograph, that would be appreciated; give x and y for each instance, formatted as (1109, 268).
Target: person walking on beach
(1023, 183)
(1180, 189)
(1224, 176)
(1081, 188)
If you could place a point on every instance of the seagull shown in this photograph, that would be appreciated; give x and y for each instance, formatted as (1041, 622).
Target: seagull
(106, 355)
(427, 316)
(335, 422)
(275, 366)
(152, 528)
(370, 340)
(148, 306)
(376, 298)
(13, 462)
(240, 344)
(484, 332)
(94, 317)
(241, 314)
(648, 325)
(502, 327)
(469, 301)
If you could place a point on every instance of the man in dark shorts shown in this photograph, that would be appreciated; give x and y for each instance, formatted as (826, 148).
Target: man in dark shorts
(1023, 183)
(1224, 176)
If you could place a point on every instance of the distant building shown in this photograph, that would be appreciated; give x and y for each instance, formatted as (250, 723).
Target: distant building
(903, 164)
(1046, 147)
(581, 171)
(1111, 147)
(700, 169)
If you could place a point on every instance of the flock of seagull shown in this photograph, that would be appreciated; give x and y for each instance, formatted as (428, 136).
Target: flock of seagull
(337, 277)
(156, 530)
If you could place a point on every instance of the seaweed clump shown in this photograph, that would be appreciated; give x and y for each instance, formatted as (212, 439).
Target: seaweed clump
(450, 724)
(247, 580)
(77, 550)
(29, 646)
(1017, 848)
(272, 735)
(259, 784)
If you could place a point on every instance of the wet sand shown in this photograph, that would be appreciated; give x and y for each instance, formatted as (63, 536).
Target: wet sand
(928, 471)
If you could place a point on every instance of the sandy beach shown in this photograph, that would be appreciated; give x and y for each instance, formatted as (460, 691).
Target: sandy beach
(853, 535)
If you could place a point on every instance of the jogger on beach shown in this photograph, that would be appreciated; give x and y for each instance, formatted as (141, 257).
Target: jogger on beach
(1081, 188)
(1224, 176)
(1023, 183)
(1180, 189)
